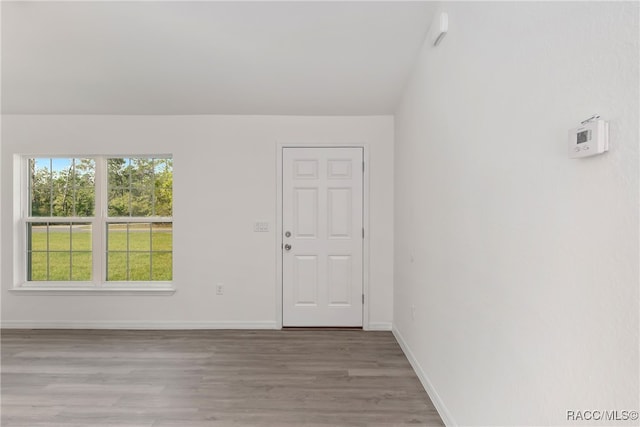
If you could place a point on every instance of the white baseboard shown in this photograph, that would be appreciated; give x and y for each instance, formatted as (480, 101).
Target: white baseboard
(379, 326)
(18, 324)
(444, 413)
(73, 324)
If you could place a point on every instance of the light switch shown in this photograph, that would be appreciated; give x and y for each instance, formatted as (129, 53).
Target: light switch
(261, 227)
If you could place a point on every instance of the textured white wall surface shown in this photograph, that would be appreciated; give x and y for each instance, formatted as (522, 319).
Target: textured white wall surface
(224, 181)
(522, 264)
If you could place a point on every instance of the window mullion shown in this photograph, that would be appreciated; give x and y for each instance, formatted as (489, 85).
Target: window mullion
(99, 224)
(25, 199)
(48, 253)
(73, 187)
(50, 187)
(71, 251)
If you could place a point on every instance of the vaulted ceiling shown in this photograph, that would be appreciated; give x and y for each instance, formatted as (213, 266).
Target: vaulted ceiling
(305, 58)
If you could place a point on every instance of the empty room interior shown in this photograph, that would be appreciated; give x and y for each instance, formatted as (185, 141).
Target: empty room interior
(319, 213)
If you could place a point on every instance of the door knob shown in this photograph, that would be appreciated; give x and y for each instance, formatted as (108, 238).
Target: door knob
(287, 247)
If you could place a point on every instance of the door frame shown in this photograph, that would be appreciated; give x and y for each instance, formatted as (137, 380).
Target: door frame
(280, 146)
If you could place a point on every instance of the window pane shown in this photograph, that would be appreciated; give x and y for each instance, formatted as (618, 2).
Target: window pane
(59, 237)
(61, 187)
(119, 202)
(140, 237)
(162, 265)
(140, 187)
(117, 172)
(132, 247)
(139, 266)
(81, 266)
(81, 237)
(141, 201)
(116, 237)
(164, 187)
(59, 266)
(117, 266)
(50, 256)
(40, 187)
(162, 237)
(84, 201)
(83, 181)
(38, 266)
(37, 233)
(142, 172)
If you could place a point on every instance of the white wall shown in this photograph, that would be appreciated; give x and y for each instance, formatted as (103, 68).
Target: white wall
(522, 264)
(224, 180)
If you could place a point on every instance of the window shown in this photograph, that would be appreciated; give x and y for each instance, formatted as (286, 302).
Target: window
(61, 197)
(139, 231)
(99, 221)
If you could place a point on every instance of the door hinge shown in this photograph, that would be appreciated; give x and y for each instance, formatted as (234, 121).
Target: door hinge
(362, 166)
(363, 298)
(363, 232)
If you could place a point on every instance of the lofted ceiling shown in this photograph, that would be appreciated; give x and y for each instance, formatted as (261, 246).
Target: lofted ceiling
(304, 58)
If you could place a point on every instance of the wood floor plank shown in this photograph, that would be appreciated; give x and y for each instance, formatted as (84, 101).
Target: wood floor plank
(301, 377)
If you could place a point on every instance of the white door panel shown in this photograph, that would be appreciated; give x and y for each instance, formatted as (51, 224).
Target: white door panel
(339, 213)
(322, 211)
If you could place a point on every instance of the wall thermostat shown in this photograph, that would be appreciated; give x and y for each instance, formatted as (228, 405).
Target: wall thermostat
(589, 139)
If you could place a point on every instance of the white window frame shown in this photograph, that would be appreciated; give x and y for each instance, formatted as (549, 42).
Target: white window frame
(98, 223)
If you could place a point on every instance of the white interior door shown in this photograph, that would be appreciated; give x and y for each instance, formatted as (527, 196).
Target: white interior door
(322, 195)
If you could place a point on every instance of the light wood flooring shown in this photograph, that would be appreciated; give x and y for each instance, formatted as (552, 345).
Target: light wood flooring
(88, 378)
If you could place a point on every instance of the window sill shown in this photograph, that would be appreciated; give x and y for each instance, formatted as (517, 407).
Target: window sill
(77, 290)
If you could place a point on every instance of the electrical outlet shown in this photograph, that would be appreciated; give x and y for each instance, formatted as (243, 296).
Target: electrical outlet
(413, 312)
(219, 289)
